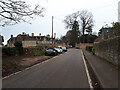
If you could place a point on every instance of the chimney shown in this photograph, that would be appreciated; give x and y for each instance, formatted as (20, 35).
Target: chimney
(11, 36)
(32, 34)
(23, 33)
(39, 34)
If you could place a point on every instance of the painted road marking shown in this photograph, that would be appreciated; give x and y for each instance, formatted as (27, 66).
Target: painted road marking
(88, 75)
(30, 67)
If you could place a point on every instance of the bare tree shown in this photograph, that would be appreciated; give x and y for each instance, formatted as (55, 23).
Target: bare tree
(16, 11)
(69, 20)
(83, 19)
(86, 21)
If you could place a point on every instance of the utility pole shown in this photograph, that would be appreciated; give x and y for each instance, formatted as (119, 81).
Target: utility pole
(52, 30)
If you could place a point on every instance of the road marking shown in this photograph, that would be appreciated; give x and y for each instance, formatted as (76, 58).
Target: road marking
(88, 75)
(27, 68)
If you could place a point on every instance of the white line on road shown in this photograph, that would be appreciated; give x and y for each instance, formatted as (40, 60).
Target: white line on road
(88, 75)
(27, 68)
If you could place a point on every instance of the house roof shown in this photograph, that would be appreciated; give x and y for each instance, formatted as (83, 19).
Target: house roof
(28, 38)
(98, 39)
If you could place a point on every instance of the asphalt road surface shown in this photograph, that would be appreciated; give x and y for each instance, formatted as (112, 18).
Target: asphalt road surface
(64, 71)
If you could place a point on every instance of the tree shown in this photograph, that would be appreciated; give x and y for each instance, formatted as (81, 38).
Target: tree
(83, 20)
(100, 31)
(64, 40)
(1, 39)
(16, 11)
(75, 33)
(91, 38)
(19, 47)
(86, 21)
(18, 44)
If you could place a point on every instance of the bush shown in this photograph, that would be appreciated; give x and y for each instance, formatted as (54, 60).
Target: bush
(18, 44)
(19, 47)
(7, 51)
(89, 48)
(20, 50)
(93, 51)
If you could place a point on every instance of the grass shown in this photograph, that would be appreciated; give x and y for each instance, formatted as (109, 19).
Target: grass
(39, 53)
(8, 64)
(77, 47)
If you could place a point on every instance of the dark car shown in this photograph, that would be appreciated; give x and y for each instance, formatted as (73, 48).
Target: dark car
(70, 46)
(51, 51)
(64, 49)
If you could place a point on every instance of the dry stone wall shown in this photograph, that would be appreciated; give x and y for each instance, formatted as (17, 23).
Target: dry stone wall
(109, 49)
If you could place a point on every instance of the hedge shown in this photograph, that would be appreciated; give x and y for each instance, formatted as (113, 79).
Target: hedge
(7, 51)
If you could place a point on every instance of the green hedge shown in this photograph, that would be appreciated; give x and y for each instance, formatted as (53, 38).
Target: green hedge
(7, 51)
(89, 48)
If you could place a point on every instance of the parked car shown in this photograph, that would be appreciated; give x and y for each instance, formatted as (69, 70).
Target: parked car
(64, 49)
(59, 49)
(51, 51)
(70, 46)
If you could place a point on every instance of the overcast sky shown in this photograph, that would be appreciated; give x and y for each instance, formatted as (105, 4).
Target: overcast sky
(104, 12)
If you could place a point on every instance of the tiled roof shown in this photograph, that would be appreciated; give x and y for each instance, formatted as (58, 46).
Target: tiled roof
(28, 38)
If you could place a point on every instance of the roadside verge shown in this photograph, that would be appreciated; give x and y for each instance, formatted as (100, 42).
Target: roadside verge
(25, 64)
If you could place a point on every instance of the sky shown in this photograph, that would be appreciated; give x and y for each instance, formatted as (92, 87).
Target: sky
(104, 12)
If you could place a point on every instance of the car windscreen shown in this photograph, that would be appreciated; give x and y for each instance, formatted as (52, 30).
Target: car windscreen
(64, 48)
(49, 49)
(57, 47)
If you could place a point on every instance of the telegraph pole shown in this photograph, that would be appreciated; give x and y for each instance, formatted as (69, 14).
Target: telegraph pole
(52, 30)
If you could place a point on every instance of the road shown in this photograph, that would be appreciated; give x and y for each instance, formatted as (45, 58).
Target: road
(64, 71)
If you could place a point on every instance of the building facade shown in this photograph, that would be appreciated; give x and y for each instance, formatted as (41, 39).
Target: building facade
(29, 41)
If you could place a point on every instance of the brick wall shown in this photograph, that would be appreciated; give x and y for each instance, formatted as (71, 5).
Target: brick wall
(109, 49)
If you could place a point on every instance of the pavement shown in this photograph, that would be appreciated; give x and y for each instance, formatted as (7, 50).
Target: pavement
(105, 73)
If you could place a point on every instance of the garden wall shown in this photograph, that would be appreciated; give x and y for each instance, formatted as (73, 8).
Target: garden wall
(109, 49)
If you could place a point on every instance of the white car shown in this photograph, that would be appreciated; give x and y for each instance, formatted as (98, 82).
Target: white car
(59, 49)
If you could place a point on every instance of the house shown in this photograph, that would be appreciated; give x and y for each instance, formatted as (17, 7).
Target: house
(29, 41)
(106, 34)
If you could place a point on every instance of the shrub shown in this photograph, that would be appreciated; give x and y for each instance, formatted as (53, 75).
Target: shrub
(19, 47)
(93, 51)
(20, 50)
(89, 48)
(7, 51)
(18, 44)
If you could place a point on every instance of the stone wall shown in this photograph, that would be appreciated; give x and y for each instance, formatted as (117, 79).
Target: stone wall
(109, 49)
(29, 43)
(84, 45)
